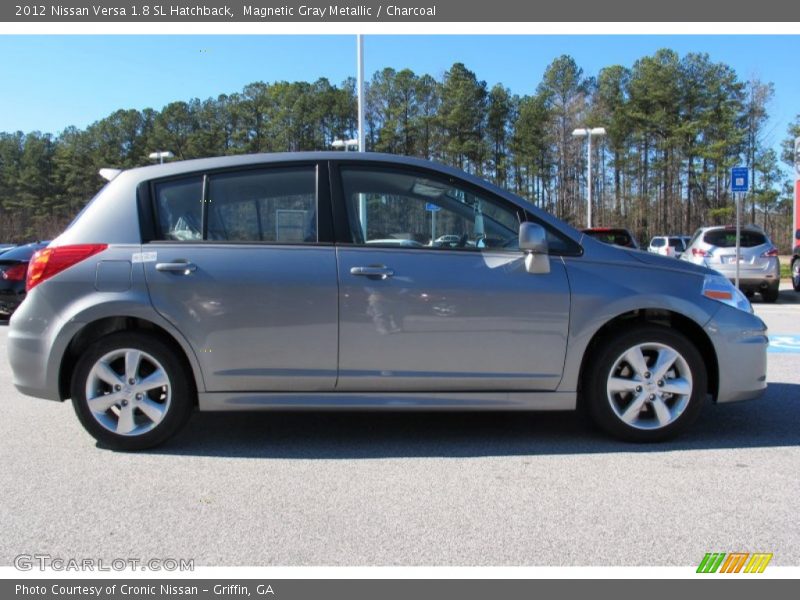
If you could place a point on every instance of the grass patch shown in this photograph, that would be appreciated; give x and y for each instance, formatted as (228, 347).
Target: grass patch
(786, 270)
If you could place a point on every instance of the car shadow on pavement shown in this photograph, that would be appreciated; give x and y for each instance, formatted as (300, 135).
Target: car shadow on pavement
(771, 421)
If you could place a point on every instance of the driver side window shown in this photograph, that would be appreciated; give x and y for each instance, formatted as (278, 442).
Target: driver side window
(407, 209)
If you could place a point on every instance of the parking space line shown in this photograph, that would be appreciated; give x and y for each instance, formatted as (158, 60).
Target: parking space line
(784, 344)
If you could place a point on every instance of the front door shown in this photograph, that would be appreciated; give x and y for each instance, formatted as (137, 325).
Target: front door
(434, 294)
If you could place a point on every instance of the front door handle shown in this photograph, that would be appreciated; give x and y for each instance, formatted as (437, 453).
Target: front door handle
(182, 267)
(372, 271)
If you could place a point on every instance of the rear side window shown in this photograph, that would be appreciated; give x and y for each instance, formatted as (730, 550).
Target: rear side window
(657, 242)
(264, 205)
(275, 205)
(179, 205)
(726, 238)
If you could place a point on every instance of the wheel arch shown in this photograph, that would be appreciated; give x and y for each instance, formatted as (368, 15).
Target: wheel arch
(107, 325)
(681, 323)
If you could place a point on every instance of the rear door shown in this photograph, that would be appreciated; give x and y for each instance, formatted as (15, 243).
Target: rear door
(243, 266)
(434, 295)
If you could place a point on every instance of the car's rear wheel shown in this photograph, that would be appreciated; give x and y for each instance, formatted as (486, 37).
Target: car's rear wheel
(131, 392)
(645, 384)
(796, 274)
(771, 294)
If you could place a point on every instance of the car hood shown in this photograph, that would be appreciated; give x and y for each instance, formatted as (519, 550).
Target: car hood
(668, 263)
(597, 250)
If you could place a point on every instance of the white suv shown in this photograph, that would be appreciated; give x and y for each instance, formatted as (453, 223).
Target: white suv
(672, 245)
(759, 267)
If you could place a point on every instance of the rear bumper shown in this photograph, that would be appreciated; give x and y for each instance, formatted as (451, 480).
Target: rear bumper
(35, 348)
(10, 300)
(756, 285)
(753, 278)
(740, 340)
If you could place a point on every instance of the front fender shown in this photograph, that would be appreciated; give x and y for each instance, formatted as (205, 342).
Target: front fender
(602, 292)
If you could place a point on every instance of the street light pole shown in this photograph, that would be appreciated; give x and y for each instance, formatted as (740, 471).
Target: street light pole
(589, 181)
(588, 133)
(360, 64)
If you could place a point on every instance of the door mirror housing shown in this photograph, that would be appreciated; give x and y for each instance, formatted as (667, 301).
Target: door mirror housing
(797, 234)
(533, 241)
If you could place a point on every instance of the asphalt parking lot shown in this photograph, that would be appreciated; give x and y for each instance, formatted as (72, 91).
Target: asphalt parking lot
(411, 489)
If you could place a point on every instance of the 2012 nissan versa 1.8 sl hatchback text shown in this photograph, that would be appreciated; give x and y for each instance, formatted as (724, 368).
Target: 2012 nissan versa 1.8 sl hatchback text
(314, 281)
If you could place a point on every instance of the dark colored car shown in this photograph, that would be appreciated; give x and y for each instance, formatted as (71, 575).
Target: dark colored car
(615, 236)
(13, 270)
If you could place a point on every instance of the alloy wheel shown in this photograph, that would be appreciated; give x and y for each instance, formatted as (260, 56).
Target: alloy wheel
(649, 386)
(128, 392)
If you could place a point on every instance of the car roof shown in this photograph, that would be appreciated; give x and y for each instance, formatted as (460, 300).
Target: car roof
(180, 167)
(749, 227)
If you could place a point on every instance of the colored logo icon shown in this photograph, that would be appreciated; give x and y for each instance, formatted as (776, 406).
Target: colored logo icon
(734, 562)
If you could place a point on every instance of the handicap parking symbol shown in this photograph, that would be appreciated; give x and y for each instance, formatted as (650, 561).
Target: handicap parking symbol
(784, 344)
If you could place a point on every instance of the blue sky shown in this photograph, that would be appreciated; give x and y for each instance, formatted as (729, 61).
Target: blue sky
(50, 82)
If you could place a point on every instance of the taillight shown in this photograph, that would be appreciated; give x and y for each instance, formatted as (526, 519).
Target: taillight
(698, 252)
(15, 273)
(51, 261)
(771, 252)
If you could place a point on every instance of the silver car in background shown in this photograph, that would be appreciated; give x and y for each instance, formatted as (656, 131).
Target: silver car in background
(313, 281)
(759, 266)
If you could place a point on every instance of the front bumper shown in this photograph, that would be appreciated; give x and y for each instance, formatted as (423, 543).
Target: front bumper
(740, 340)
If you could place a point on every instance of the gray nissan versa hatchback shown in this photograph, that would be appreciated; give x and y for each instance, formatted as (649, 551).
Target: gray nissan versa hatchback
(316, 281)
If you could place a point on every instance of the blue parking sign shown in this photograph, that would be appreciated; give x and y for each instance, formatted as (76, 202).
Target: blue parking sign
(739, 179)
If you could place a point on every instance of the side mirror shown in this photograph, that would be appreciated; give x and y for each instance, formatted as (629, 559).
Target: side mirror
(533, 241)
(797, 234)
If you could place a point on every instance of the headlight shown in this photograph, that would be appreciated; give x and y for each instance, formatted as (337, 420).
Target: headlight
(717, 287)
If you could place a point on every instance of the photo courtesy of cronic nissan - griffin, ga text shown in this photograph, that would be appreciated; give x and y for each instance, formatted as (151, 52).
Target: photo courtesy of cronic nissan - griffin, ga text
(364, 281)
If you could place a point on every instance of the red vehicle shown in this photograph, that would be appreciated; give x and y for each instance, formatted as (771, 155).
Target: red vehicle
(796, 262)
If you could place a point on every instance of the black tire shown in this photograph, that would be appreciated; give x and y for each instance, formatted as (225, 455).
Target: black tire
(770, 294)
(796, 274)
(175, 400)
(604, 405)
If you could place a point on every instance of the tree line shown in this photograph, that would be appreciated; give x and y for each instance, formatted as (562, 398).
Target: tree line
(675, 126)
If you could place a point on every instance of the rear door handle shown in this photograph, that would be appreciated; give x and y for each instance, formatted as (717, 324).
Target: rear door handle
(183, 267)
(372, 271)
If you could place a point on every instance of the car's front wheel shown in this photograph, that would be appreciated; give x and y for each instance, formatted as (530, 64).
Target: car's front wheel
(645, 384)
(796, 274)
(131, 392)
